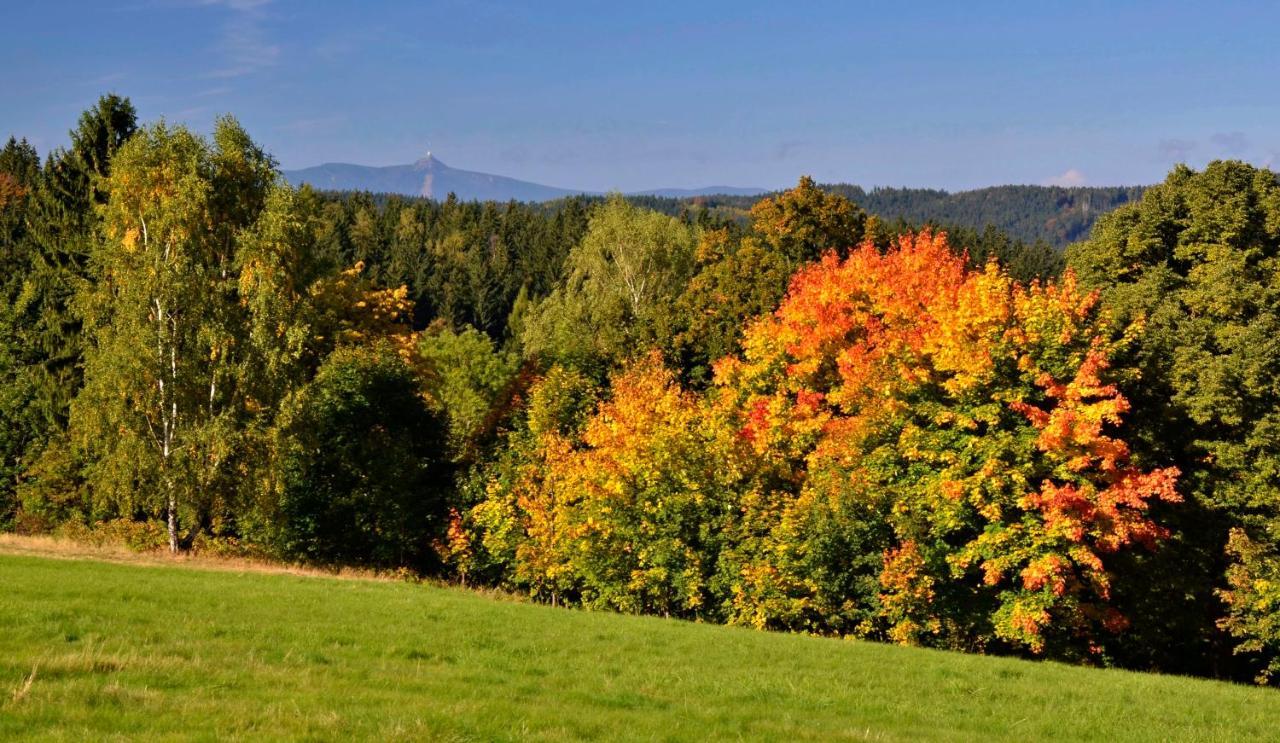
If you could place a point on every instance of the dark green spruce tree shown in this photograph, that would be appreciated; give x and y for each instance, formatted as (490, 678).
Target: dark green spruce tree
(1197, 260)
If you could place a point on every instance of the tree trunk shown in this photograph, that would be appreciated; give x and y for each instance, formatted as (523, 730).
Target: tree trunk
(173, 524)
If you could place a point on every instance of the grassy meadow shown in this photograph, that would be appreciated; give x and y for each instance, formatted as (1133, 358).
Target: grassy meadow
(92, 649)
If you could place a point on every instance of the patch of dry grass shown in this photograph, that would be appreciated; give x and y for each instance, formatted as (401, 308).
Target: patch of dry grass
(68, 549)
(24, 688)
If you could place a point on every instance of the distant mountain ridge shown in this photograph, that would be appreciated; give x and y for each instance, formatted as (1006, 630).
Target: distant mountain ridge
(431, 178)
(1057, 215)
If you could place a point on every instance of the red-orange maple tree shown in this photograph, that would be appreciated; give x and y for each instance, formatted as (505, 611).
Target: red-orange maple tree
(973, 416)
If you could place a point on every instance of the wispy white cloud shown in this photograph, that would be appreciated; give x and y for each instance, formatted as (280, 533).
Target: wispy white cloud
(350, 41)
(108, 79)
(211, 92)
(1072, 177)
(244, 44)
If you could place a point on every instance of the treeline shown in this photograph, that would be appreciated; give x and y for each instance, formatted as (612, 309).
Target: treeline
(1057, 215)
(814, 420)
(463, 263)
(1046, 216)
(1053, 215)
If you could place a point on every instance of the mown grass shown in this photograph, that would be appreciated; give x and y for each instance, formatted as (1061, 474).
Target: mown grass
(93, 650)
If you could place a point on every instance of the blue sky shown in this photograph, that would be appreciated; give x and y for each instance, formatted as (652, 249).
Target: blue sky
(635, 95)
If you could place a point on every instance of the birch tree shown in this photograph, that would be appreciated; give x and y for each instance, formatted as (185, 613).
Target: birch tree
(621, 287)
(157, 414)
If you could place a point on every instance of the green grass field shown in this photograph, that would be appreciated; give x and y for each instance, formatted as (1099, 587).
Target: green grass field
(140, 651)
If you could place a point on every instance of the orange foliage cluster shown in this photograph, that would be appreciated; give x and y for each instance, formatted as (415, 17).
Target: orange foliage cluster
(11, 192)
(614, 517)
(976, 408)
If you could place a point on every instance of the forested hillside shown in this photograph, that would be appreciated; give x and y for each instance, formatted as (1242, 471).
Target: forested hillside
(1051, 214)
(787, 414)
(1054, 214)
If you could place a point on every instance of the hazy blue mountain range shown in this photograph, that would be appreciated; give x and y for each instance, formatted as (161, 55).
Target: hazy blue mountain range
(433, 179)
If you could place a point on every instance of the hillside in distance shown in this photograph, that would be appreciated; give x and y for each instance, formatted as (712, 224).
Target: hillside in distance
(432, 179)
(1055, 215)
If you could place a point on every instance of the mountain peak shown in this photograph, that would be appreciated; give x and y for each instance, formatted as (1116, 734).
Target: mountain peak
(429, 162)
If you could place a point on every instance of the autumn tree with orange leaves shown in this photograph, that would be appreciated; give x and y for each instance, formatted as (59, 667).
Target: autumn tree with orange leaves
(625, 510)
(959, 425)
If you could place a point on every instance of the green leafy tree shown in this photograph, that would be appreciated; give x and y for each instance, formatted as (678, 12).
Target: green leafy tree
(806, 222)
(1198, 259)
(65, 225)
(466, 374)
(292, 298)
(513, 532)
(1252, 596)
(364, 465)
(21, 426)
(620, 288)
(158, 412)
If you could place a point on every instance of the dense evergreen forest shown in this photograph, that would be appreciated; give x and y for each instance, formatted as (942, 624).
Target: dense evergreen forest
(1054, 215)
(826, 411)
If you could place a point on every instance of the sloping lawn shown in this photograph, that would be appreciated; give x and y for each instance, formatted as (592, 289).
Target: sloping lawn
(92, 650)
